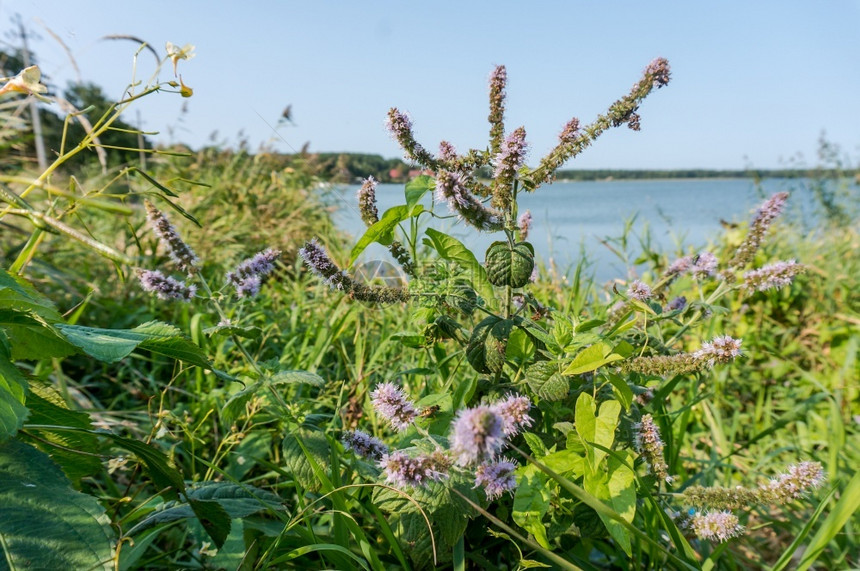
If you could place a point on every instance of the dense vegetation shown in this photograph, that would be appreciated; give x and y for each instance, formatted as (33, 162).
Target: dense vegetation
(220, 428)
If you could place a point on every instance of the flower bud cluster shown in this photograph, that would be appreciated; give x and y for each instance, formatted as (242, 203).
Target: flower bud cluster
(400, 127)
(507, 161)
(772, 276)
(403, 471)
(524, 224)
(181, 254)
(639, 290)
(759, 226)
(716, 525)
(364, 445)
(318, 261)
(165, 287)
(451, 188)
(250, 274)
(719, 350)
(650, 446)
(391, 403)
(367, 202)
(498, 80)
(793, 484)
(496, 477)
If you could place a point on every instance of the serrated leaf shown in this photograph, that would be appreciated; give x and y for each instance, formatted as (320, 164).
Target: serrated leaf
(298, 464)
(592, 358)
(213, 518)
(451, 249)
(46, 524)
(510, 265)
(417, 188)
(251, 332)
(545, 380)
(383, 230)
(520, 348)
(31, 336)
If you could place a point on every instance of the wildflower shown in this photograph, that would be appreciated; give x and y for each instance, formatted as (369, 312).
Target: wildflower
(677, 303)
(794, 483)
(402, 471)
(659, 72)
(496, 477)
(703, 266)
(477, 434)
(400, 127)
(679, 266)
(525, 223)
(165, 287)
(28, 81)
(364, 445)
(716, 525)
(649, 444)
(391, 402)
(762, 220)
(249, 275)
(318, 261)
(720, 350)
(514, 413)
(570, 131)
(507, 161)
(181, 254)
(639, 291)
(772, 276)
(447, 152)
(450, 187)
(175, 53)
(498, 80)
(367, 201)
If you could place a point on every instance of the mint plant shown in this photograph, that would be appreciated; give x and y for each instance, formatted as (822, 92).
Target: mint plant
(577, 399)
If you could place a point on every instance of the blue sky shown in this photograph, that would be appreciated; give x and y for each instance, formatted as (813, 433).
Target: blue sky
(754, 83)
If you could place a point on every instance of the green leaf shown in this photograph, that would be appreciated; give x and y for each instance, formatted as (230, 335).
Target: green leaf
(213, 518)
(31, 336)
(615, 487)
(531, 502)
(417, 188)
(46, 524)
(510, 266)
(591, 358)
(235, 405)
(596, 428)
(620, 389)
(545, 380)
(298, 464)
(520, 348)
(112, 345)
(383, 230)
(13, 391)
(451, 249)
(250, 332)
(47, 407)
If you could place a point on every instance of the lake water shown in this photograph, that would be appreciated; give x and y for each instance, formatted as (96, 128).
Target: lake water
(572, 217)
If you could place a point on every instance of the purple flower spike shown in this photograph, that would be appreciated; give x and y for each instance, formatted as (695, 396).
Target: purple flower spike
(391, 403)
(477, 434)
(403, 471)
(514, 411)
(165, 287)
(496, 478)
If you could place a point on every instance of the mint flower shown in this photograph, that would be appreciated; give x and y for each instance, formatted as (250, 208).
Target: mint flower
(650, 446)
(364, 445)
(772, 276)
(165, 287)
(524, 223)
(403, 471)
(400, 126)
(498, 81)
(451, 188)
(496, 477)
(703, 266)
(716, 525)
(367, 202)
(659, 71)
(507, 161)
(477, 434)
(719, 350)
(181, 254)
(391, 403)
(764, 217)
(797, 480)
(250, 274)
(639, 290)
(513, 410)
(447, 152)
